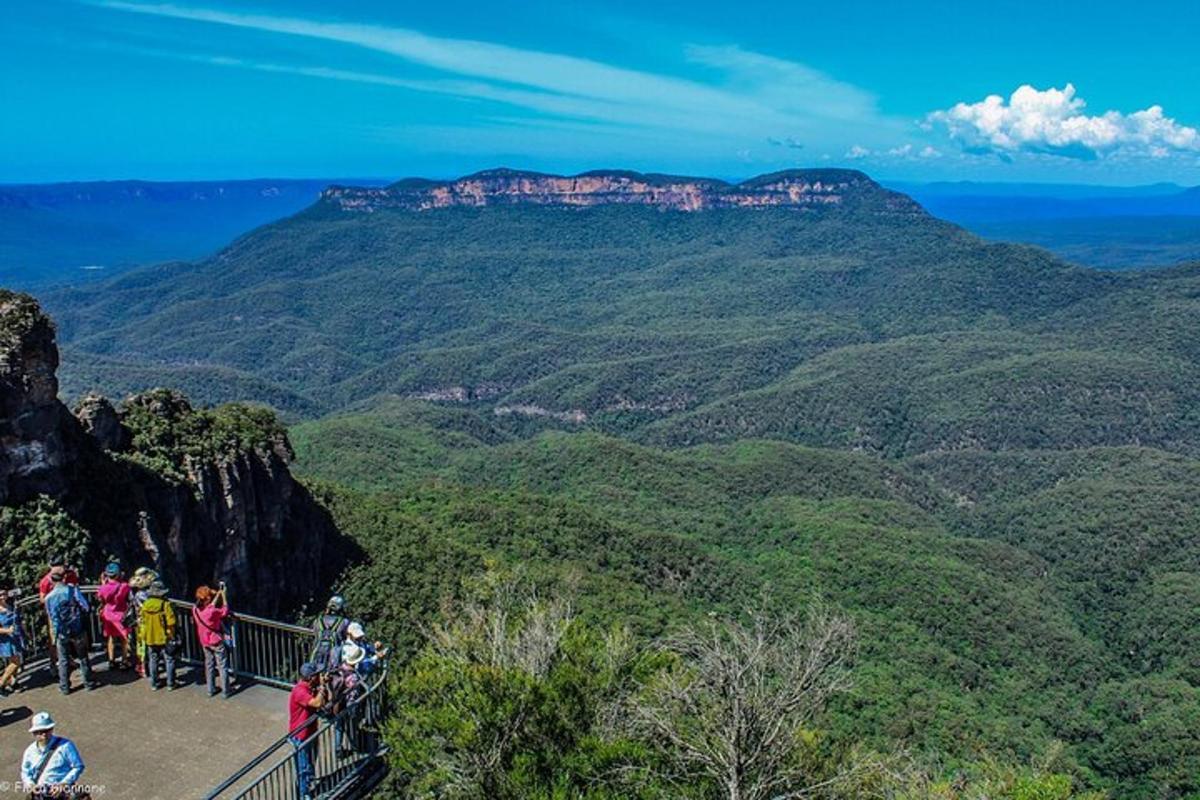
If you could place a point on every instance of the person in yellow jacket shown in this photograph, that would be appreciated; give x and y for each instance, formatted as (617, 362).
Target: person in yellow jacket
(156, 630)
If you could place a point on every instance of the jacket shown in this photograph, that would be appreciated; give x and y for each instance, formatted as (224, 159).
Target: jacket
(156, 622)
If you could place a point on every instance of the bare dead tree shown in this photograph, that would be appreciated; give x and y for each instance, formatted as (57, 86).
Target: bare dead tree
(508, 627)
(735, 707)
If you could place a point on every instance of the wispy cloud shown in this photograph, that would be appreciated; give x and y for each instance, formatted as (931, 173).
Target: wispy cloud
(751, 95)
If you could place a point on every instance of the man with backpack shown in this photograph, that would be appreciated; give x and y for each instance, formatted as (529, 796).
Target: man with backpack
(330, 630)
(51, 766)
(68, 611)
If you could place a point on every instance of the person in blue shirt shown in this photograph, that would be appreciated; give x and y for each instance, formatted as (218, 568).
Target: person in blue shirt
(68, 611)
(51, 766)
(12, 643)
(373, 652)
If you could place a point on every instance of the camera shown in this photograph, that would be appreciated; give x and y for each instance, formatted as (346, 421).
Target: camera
(13, 594)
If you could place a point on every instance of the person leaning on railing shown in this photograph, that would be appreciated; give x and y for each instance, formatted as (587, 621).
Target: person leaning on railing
(309, 695)
(211, 615)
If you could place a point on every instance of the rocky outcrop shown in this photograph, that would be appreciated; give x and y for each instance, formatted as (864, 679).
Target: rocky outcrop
(797, 189)
(203, 496)
(100, 421)
(32, 451)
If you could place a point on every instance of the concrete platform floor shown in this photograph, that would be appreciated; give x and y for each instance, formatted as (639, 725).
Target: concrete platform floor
(139, 744)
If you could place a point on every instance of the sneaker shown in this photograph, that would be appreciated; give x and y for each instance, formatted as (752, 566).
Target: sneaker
(64, 691)
(91, 685)
(154, 687)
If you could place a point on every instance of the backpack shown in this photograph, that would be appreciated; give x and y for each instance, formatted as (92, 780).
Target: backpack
(326, 651)
(68, 616)
(344, 689)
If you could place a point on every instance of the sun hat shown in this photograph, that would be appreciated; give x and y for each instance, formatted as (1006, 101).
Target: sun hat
(308, 669)
(355, 630)
(42, 721)
(352, 654)
(336, 603)
(143, 577)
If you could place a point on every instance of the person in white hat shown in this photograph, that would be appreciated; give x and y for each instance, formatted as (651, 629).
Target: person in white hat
(372, 652)
(51, 765)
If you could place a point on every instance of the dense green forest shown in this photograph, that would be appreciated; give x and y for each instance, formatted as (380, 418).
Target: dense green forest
(977, 457)
(1005, 602)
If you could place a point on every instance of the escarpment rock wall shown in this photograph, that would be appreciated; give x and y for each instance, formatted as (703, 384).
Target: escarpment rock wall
(799, 189)
(235, 515)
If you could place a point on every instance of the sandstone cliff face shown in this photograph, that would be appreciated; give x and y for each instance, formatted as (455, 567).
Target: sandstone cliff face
(797, 189)
(32, 451)
(140, 482)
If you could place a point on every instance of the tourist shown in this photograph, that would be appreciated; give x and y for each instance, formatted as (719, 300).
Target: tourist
(113, 596)
(329, 630)
(308, 696)
(68, 610)
(345, 689)
(156, 630)
(373, 652)
(58, 565)
(139, 584)
(12, 641)
(211, 613)
(51, 766)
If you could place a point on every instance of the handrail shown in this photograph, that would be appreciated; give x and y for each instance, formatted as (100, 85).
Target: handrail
(278, 781)
(270, 652)
(264, 650)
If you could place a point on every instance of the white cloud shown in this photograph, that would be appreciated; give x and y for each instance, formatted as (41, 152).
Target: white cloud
(857, 152)
(1054, 122)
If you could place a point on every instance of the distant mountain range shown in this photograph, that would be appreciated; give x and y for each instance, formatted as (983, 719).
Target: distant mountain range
(75, 231)
(1098, 226)
(683, 394)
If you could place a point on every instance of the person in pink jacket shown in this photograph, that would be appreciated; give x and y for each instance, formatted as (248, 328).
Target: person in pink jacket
(113, 595)
(210, 614)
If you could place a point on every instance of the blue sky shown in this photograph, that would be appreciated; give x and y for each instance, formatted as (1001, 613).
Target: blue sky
(1097, 92)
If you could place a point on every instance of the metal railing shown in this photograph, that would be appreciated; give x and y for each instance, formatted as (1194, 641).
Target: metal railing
(263, 650)
(348, 749)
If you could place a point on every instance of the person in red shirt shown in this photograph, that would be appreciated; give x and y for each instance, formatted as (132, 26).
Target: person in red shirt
(307, 697)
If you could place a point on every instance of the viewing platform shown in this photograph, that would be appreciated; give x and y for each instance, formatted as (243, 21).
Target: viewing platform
(141, 744)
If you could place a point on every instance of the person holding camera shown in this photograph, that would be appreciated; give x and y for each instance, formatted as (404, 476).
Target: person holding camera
(12, 641)
(113, 596)
(156, 627)
(307, 698)
(211, 615)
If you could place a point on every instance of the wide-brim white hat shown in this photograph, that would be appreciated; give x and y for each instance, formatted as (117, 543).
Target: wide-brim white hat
(42, 721)
(353, 655)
